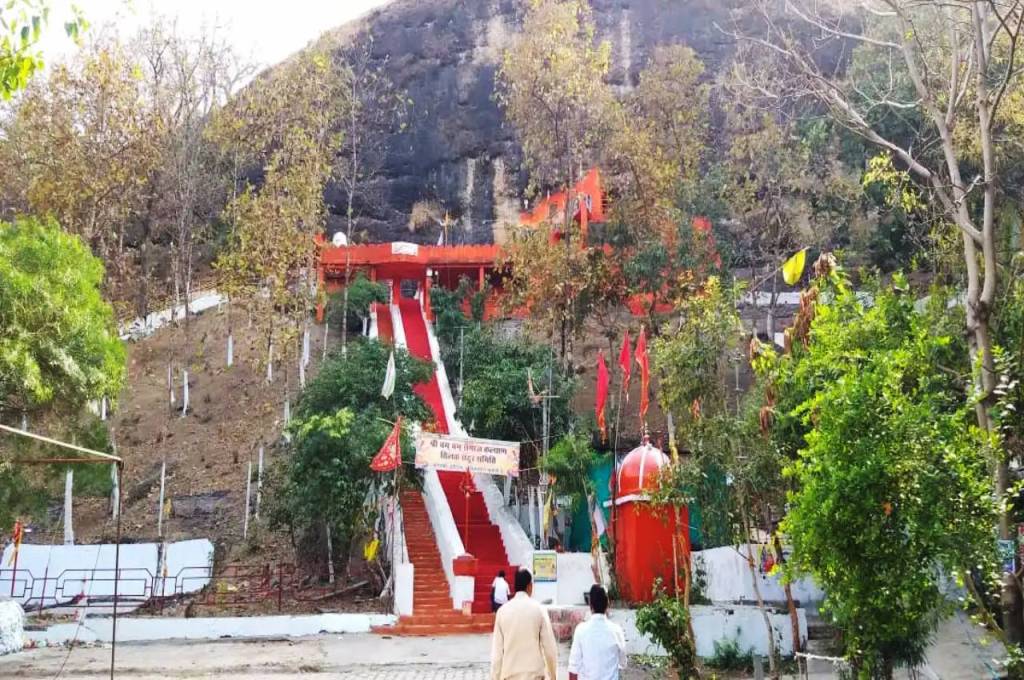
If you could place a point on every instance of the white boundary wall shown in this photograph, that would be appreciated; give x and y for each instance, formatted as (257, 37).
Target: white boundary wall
(155, 629)
(712, 624)
(728, 579)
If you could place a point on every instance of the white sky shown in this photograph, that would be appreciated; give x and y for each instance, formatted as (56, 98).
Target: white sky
(264, 31)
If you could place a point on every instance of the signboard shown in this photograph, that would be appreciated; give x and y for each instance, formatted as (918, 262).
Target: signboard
(545, 565)
(487, 456)
(1007, 548)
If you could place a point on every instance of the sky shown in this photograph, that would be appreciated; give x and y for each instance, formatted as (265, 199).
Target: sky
(264, 31)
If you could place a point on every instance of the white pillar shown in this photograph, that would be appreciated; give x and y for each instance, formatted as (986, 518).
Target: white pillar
(259, 482)
(231, 350)
(184, 393)
(170, 384)
(248, 492)
(160, 510)
(69, 490)
(115, 491)
(270, 363)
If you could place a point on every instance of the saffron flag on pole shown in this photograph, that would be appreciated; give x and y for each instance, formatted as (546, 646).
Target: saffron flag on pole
(643, 361)
(793, 268)
(389, 378)
(16, 537)
(626, 363)
(390, 455)
(602, 395)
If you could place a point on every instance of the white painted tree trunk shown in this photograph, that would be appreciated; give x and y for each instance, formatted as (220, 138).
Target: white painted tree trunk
(330, 556)
(270, 363)
(231, 350)
(160, 510)
(248, 493)
(115, 491)
(302, 373)
(184, 393)
(24, 422)
(259, 482)
(69, 490)
(287, 418)
(103, 408)
(305, 345)
(326, 326)
(170, 384)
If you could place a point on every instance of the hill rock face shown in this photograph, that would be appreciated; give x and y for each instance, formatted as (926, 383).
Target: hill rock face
(457, 149)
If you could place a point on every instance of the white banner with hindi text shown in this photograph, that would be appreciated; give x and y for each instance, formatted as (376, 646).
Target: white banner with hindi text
(487, 456)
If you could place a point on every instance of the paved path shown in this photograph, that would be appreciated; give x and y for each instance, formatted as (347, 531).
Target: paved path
(363, 657)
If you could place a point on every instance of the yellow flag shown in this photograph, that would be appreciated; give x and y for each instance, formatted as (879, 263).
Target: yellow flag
(793, 268)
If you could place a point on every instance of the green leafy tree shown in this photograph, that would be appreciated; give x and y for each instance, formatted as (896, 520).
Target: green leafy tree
(341, 421)
(892, 484)
(362, 294)
(21, 26)
(59, 348)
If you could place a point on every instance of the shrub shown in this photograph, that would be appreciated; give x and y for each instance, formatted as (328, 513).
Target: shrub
(667, 622)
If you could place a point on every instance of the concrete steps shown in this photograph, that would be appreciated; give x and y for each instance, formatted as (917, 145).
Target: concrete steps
(432, 602)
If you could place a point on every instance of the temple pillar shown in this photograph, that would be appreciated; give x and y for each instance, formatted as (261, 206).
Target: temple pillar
(481, 278)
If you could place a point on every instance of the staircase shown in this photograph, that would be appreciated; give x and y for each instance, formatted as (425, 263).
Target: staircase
(432, 603)
(485, 542)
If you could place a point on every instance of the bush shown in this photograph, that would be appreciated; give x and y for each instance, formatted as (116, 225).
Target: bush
(667, 622)
(729, 657)
(362, 294)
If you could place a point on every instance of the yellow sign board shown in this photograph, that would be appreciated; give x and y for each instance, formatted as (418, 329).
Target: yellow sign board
(487, 456)
(545, 565)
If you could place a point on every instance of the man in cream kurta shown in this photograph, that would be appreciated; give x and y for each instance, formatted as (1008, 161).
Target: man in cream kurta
(524, 646)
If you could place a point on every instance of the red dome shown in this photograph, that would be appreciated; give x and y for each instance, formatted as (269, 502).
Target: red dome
(639, 471)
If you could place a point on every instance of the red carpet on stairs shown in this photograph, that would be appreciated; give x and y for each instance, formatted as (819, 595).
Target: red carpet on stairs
(419, 346)
(432, 606)
(485, 542)
(385, 329)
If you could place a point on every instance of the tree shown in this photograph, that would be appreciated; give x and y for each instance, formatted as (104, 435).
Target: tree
(23, 22)
(551, 84)
(285, 127)
(59, 348)
(892, 484)
(79, 147)
(951, 66)
(341, 421)
(373, 108)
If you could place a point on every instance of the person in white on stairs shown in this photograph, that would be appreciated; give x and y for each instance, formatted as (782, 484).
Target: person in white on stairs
(499, 591)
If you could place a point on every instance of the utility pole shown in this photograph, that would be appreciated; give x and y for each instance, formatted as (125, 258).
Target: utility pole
(462, 349)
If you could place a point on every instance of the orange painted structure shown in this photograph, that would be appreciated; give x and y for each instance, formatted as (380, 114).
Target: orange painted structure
(644, 538)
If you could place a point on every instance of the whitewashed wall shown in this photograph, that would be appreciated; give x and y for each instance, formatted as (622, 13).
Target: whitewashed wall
(711, 624)
(729, 580)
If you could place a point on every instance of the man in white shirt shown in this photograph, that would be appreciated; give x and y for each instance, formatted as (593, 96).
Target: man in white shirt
(499, 591)
(598, 646)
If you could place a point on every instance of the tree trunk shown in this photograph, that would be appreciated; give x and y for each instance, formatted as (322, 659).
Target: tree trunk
(772, 653)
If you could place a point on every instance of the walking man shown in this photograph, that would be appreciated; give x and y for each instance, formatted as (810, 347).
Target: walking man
(499, 591)
(598, 646)
(524, 646)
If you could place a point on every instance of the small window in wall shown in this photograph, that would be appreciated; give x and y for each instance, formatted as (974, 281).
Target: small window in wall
(408, 288)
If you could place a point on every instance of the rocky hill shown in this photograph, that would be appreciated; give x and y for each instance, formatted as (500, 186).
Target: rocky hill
(457, 149)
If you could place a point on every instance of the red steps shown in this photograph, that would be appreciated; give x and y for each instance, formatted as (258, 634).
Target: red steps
(484, 543)
(418, 344)
(432, 603)
(385, 329)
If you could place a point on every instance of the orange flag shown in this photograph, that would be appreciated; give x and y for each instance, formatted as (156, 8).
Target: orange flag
(644, 363)
(390, 455)
(602, 395)
(625, 362)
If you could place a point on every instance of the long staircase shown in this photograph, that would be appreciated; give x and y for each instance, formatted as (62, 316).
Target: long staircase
(484, 539)
(432, 604)
(433, 613)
